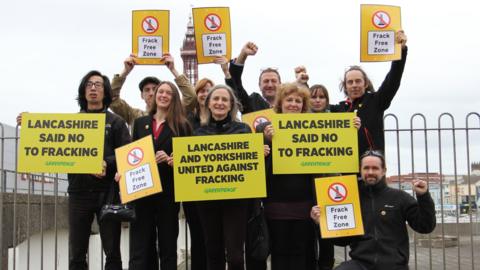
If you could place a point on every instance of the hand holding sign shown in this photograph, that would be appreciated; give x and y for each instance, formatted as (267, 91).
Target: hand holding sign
(315, 214)
(161, 156)
(104, 171)
(401, 38)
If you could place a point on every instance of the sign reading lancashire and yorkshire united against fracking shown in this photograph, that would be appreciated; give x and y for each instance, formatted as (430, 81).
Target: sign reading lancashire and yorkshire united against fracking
(136, 163)
(378, 27)
(212, 33)
(256, 118)
(61, 143)
(314, 143)
(150, 35)
(219, 167)
(339, 203)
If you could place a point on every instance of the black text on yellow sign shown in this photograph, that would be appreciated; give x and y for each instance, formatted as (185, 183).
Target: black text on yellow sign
(61, 143)
(379, 24)
(150, 35)
(212, 33)
(314, 143)
(138, 168)
(339, 203)
(219, 167)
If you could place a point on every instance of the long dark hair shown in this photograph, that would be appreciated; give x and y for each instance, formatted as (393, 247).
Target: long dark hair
(343, 86)
(107, 90)
(175, 116)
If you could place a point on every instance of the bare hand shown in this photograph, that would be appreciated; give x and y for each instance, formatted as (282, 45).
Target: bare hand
(129, 64)
(19, 119)
(104, 171)
(161, 156)
(357, 122)
(315, 214)
(169, 62)
(250, 48)
(419, 186)
(301, 75)
(401, 38)
(170, 160)
(117, 177)
(268, 132)
(266, 150)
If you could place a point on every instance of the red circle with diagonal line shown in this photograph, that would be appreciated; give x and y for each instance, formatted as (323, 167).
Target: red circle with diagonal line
(135, 156)
(381, 19)
(150, 25)
(337, 192)
(213, 22)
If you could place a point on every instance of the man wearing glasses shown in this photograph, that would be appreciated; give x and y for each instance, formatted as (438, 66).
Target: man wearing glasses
(385, 211)
(87, 192)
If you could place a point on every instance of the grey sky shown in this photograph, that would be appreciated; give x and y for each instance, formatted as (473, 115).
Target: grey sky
(49, 45)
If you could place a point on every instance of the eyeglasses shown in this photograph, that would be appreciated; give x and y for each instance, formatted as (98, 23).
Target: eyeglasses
(97, 84)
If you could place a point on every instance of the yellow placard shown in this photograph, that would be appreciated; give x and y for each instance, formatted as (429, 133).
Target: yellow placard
(150, 35)
(138, 168)
(314, 143)
(212, 33)
(219, 167)
(61, 143)
(255, 118)
(379, 24)
(340, 212)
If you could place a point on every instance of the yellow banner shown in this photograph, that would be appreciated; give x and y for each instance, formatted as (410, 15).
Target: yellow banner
(339, 203)
(255, 118)
(212, 33)
(314, 143)
(378, 27)
(150, 35)
(61, 143)
(136, 163)
(219, 167)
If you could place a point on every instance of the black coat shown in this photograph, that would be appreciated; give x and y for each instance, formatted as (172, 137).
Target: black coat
(254, 102)
(116, 135)
(385, 212)
(371, 107)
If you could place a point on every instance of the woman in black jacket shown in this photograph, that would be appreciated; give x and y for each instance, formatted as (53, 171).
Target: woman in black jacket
(290, 197)
(224, 222)
(157, 215)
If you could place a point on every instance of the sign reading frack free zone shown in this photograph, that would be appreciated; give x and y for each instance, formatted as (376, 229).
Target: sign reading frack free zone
(340, 213)
(61, 143)
(212, 33)
(378, 28)
(314, 143)
(138, 168)
(219, 167)
(150, 35)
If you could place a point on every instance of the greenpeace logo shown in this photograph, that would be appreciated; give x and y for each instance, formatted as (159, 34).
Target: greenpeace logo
(315, 164)
(219, 190)
(59, 163)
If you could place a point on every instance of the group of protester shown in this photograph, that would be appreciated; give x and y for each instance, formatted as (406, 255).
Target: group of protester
(218, 228)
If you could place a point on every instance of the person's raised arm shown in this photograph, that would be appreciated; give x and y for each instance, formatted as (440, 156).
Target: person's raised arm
(119, 79)
(236, 70)
(188, 92)
(421, 212)
(301, 76)
(391, 84)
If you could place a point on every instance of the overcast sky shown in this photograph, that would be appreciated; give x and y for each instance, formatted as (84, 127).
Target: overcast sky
(48, 45)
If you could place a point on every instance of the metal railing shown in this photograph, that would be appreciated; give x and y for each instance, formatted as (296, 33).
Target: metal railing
(32, 208)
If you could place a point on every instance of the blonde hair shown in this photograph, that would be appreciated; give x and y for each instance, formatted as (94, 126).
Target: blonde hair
(286, 89)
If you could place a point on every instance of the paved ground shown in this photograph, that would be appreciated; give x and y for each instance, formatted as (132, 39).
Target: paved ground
(437, 259)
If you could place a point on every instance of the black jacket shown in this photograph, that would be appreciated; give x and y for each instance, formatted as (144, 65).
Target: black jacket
(116, 135)
(385, 211)
(371, 107)
(143, 127)
(226, 126)
(254, 102)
